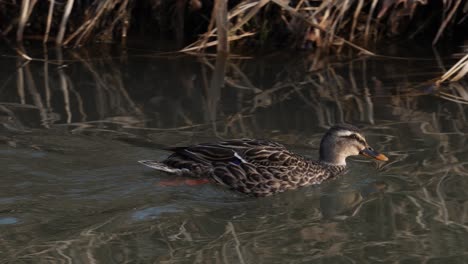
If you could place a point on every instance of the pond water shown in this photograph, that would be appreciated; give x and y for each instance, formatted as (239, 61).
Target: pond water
(73, 127)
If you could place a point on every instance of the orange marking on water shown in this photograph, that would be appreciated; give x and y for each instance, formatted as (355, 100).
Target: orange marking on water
(182, 181)
(193, 182)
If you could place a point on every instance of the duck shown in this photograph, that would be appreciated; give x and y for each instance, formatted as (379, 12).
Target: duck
(260, 167)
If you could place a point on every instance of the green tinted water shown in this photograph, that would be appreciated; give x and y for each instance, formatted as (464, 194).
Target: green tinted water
(73, 128)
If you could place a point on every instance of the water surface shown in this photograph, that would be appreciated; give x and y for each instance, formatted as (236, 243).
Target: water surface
(73, 127)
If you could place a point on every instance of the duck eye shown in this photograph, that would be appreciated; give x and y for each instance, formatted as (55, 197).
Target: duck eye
(358, 139)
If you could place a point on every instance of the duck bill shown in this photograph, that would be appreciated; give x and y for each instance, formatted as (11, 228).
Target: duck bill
(373, 154)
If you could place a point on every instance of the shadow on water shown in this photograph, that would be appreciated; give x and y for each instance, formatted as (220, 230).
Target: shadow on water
(74, 125)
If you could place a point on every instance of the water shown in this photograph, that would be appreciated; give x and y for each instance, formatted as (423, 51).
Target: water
(72, 130)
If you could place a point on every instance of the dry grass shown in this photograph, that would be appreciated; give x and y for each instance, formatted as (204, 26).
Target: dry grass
(324, 24)
(337, 24)
(67, 24)
(457, 72)
(451, 86)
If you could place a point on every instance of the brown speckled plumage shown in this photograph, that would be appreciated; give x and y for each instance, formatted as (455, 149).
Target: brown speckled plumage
(262, 167)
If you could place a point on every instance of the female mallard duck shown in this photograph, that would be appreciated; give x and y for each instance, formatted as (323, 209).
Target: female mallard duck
(261, 167)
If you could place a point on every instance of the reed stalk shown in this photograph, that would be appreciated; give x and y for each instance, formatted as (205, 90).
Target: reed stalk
(22, 20)
(456, 72)
(222, 26)
(63, 24)
(49, 20)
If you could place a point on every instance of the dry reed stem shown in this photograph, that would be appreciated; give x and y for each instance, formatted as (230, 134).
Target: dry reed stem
(20, 50)
(256, 8)
(23, 19)
(236, 11)
(355, 18)
(214, 43)
(78, 31)
(63, 24)
(296, 14)
(369, 18)
(249, 15)
(222, 26)
(121, 15)
(446, 21)
(49, 20)
(455, 73)
(208, 33)
(85, 29)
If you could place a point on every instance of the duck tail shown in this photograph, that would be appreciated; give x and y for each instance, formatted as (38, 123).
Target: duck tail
(163, 167)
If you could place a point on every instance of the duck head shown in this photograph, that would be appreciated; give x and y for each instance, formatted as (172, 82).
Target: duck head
(342, 141)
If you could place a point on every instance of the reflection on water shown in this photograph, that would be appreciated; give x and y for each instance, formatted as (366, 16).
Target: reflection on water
(73, 127)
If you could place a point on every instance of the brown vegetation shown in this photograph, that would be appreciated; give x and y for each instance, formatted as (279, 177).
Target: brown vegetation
(312, 23)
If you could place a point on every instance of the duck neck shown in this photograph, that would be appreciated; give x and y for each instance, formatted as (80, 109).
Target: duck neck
(332, 158)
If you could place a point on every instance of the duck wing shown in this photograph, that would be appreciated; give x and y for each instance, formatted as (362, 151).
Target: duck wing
(258, 152)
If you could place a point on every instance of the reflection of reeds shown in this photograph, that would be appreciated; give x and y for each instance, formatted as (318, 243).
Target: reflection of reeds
(20, 82)
(113, 100)
(64, 86)
(334, 93)
(213, 94)
(315, 90)
(325, 93)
